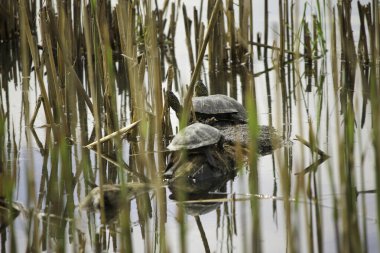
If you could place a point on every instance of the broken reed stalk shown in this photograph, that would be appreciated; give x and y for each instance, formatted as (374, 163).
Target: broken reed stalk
(364, 60)
(364, 67)
(278, 49)
(154, 77)
(126, 24)
(187, 22)
(36, 60)
(54, 87)
(68, 95)
(315, 49)
(141, 161)
(231, 30)
(68, 63)
(34, 116)
(312, 147)
(196, 30)
(200, 37)
(308, 56)
(88, 35)
(187, 103)
(335, 79)
(25, 59)
(117, 133)
(375, 90)
(289, 47)
(124, 166)
(250, 32)
(166, 110)
(155, 85)
(243, 24)
(126, 16)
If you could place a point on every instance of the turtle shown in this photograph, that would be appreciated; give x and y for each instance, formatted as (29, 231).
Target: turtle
(267, 138)
(212, 108)
(113, 198)
(198, 159)
(230, 118)
(195, 136)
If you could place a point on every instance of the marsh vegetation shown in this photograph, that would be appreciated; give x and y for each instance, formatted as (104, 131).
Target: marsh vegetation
(85, 123)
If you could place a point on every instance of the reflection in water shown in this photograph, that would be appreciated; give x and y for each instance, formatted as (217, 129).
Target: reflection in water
(8, 212)
(113, 198)
(200, 204)
(85, 69)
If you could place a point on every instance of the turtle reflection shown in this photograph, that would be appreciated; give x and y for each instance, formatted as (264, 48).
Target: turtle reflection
(8, 212)
(113, 198)
(200, 204)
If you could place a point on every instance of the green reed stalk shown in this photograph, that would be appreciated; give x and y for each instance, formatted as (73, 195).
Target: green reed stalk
(231, 30)
(196, 30)
(252, 160)
(155, 77)
(374, 94)
(36, 60)
(126, 18)
(90, 52)
(154, 83)
(25, 60)
(334, 67)
(198, 65)
(54, 87)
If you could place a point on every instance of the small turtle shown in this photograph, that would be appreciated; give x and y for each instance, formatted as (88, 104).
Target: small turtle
(197, 158)
(112, 196)
(195, 136)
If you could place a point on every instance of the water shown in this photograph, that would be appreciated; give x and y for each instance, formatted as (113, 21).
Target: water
(228, 226)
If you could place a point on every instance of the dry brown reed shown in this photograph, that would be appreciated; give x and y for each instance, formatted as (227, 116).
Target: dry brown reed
(83, 53)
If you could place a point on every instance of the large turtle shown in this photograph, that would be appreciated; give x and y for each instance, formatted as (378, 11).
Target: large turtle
(212, 108)
(219, 106)
(198, 159)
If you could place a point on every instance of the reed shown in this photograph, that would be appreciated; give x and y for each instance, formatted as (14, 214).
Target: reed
(90, 70)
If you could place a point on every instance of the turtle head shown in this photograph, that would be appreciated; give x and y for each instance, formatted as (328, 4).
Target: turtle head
(200, 89)
(173, 102)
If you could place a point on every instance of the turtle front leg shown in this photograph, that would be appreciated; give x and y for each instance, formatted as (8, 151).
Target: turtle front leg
(210, 121)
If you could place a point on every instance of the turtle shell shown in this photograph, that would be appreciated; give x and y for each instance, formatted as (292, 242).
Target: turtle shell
(195, 136)
(219, 104)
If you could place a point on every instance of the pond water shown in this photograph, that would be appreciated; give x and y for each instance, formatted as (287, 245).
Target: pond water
(291, 211)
